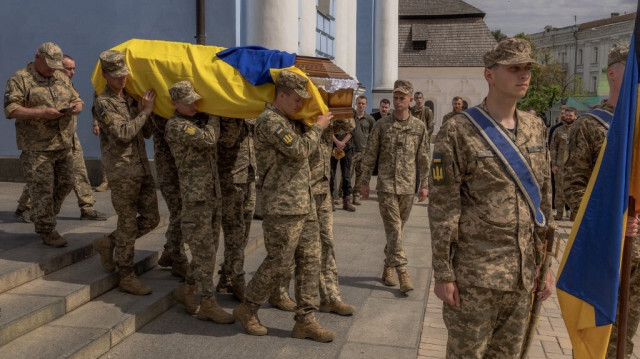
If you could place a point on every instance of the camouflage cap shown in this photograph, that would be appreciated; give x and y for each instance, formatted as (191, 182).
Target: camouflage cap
(183, 92)
(52, 55)
(403, 86)
(295, 82)
(112, 63)
(617, 54)
(509, 51)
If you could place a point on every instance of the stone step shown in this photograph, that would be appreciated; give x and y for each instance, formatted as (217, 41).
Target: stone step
(42, 300)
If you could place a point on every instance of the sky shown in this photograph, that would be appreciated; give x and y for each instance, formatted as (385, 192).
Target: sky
(531, 16)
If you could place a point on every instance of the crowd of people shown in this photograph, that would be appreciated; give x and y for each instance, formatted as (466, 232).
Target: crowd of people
(489, 182)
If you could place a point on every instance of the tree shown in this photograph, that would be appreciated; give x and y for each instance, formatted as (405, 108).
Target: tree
(498, 35)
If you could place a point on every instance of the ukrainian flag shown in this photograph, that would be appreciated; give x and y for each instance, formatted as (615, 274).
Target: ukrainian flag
(588, 278)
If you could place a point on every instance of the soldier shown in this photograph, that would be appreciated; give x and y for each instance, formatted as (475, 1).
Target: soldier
(364, 125)
(559, 155)
(422, 112)
(290, 222)
(43, 102)
(193, 146)
(81, 186)
(402, 142)
(485, 274)
(237, 169)
(457, 104)
(123, 123)
(585, 141)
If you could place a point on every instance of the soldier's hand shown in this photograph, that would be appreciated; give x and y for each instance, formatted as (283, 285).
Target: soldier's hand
(364, 191)
(448, 293)
(49, 113)
(632, 227)
(548, 287)
(554, 169)
(324, 120)
(148, 99)
(76, 108)
(340, 145)
(96, 130)
(423, 193)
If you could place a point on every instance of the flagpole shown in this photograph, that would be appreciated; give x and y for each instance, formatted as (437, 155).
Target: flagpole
(625, 275)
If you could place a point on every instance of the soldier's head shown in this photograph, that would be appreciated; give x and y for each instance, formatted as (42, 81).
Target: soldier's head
(69, 65)
(114, 69)
(184, 98)
(385, 106)
(570, 115)
(457, 104)
(563, 110)
(418, 97)
(361, 104)
(291, 89)
(402, 96)
(48, 59)
(616, 61)
(508, 68)
(533, 111)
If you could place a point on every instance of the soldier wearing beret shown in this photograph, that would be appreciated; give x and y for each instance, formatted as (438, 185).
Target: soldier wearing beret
(402, 143)
(290, 223)
(123, 127)
(486, 272)
(43, 102)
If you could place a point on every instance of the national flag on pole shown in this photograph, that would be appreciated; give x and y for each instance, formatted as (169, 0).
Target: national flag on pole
(588, 278)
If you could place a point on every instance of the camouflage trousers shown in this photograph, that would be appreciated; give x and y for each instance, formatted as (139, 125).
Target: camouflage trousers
(81, 186)
(633, 318)
(240, 202)
(394, 210)
(130, 197)
(289, 238)
(49, 176)
(559, 194)
(201, 230)
(488, 323)
(356, 173)
(169, 184)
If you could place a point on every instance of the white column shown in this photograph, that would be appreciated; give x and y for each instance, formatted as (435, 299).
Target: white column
(273, 24)
(351, 50)
(308, 19)
(341, 44)
(385, 44)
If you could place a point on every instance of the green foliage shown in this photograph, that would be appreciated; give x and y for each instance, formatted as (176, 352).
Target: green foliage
(498, 35)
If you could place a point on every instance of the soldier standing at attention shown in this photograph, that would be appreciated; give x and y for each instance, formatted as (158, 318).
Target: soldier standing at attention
(401, 141)
(559, 154)
(485, 274)
(133, 191)
(290, 223)
(422, 112)
(456, 103)
(237, 169)
(43, 102)
(364, 125)
(193, 146)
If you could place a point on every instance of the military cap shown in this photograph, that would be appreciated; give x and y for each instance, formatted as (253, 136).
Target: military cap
(617, 54)
(183, 92)
(509, 51)
(52, 55)
(403, 86)
(112, 63)
(295, 82)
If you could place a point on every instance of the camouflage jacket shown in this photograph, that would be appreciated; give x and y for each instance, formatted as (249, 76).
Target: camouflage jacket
(425, 115)
(282, 156)
(28, 88)
(559, 146)
(585, 140)
(363, 127)
(496, 246)
(122, 132)
(194, 149)
(236, 152)
(320, 160)
(447, 116)
(402, 146)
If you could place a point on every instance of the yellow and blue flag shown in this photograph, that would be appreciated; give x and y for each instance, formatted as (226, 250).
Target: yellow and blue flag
(588, 278)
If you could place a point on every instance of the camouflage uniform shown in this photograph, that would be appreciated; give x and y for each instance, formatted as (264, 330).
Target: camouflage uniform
(448, 116)
(237, 168)
(425, 115)
(559, 154)
(193, 148)
(290, 223)
(46, 144)
(402, 146)
(364, 125)
(493, 257)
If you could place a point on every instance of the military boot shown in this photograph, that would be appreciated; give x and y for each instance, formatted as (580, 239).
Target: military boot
(129, 283)
(387, 276)
(356, 200)
(312, 330)
(165, 259)
(186, 295)
(23, 215)
(339, 307)
(104, 186)
(210, 310)
(405, 281)
(180, 269)
(282, 302)
(559, 215)
(53, 239)
(104, 246)
(347, 206)
(247, 314)
(237, 288)
(224, 284)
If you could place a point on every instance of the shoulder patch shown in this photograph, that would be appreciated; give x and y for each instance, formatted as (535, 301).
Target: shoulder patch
(437, 170)
(189, 129)
(284, 135)
(105, 118)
